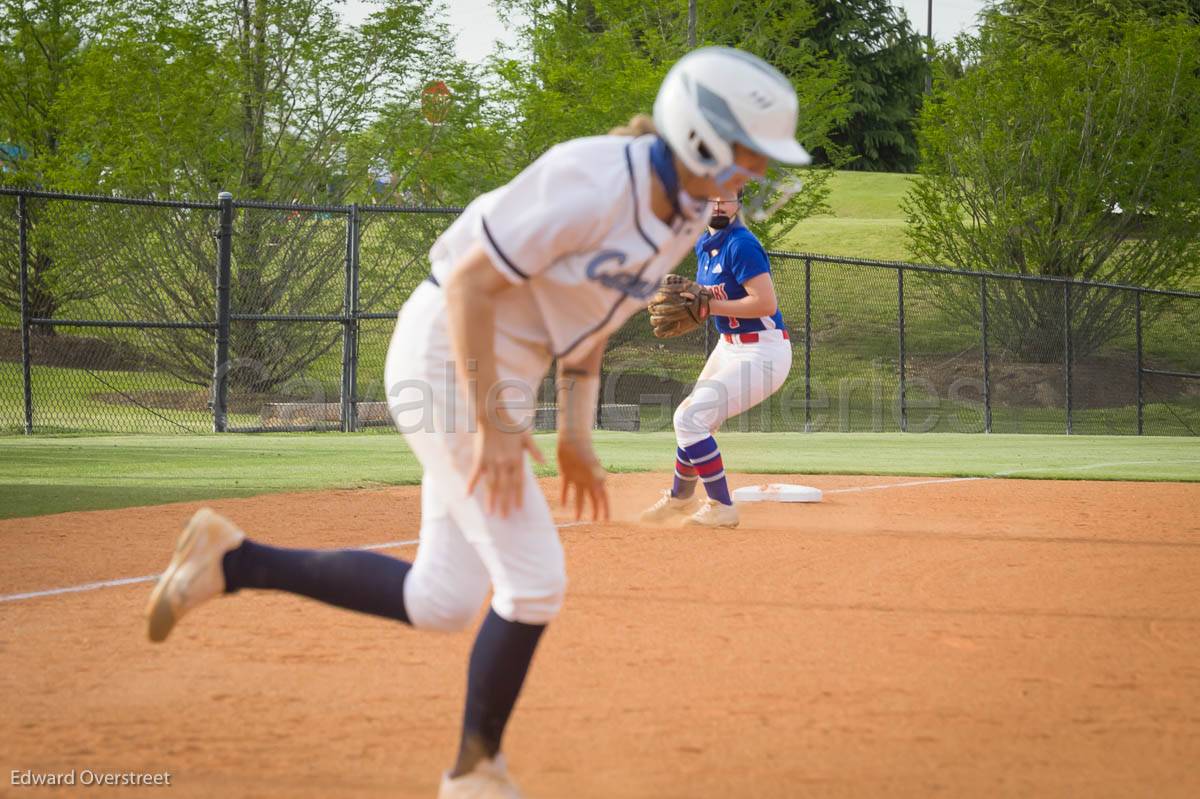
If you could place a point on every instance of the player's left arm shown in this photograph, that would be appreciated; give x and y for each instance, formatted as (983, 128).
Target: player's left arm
(578, 388)
(760, 300)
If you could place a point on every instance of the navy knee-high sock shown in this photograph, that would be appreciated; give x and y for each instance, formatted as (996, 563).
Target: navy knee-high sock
(349, 578)
(499, 661)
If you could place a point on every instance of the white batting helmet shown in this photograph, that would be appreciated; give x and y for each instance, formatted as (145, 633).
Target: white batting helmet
(716, 96)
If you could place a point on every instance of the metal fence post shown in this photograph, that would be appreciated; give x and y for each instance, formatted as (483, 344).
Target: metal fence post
(1137, 313)
(599, 425)
(808, 345)
(350, 323)
(900, 305)
(26, 352)
(1067, 347)
(987, 371)
(356, 284)
(224, 272)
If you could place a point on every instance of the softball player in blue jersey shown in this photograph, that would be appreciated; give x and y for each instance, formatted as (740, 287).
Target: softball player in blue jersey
(546, 267)
(749, 364)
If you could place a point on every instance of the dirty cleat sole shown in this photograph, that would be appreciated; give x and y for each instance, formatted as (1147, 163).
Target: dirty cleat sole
(194, 573)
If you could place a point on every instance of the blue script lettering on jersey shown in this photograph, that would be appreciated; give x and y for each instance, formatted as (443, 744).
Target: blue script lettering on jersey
(624, 282)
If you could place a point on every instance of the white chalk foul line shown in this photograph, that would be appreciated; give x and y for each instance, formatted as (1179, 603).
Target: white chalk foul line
(75, 589)
(882, 486)
(389, 545)
(1089, 466)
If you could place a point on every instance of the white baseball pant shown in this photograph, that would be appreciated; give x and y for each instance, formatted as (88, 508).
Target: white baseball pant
(735, 378)
(464, 550)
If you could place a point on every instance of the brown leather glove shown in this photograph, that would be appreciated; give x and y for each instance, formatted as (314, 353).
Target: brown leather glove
(680, 306)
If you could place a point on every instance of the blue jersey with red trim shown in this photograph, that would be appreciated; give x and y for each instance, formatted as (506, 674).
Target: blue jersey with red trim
(727, 259)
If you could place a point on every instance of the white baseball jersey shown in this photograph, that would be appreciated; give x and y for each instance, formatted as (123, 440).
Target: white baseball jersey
(575, 235)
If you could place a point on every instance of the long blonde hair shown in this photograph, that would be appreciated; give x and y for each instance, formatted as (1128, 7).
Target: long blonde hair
(638, 125)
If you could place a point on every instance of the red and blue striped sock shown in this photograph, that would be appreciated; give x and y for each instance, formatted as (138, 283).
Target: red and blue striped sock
(706, 460)
(685, 476)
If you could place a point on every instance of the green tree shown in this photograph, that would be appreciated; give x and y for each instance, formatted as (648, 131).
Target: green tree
(885, 61)
(1077, 161)
(591, 65)
(272, 100)
(596, 63)
(42, 43)
(1063, 24)
(42, 46)
(262, 98)
(781, 34)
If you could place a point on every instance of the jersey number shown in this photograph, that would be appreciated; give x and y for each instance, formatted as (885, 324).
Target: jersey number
(718, 292)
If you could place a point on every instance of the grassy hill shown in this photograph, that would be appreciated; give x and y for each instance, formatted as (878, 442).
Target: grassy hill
(866, 221)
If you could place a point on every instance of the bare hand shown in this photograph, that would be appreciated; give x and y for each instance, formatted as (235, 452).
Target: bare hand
(579, 467)
(500, 463)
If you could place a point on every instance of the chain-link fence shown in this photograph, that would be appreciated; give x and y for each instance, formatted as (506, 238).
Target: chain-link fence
(117, 303)
(124, 315)
(885, 347)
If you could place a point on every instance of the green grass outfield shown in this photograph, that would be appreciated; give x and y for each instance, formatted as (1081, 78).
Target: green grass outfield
(865, 220)
(50, 475)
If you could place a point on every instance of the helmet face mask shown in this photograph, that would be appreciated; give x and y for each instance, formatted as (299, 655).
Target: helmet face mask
(770, 196)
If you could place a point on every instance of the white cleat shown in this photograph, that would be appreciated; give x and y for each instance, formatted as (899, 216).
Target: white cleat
(488, 780)
(194, 574)
(713, 514)
(669, 510)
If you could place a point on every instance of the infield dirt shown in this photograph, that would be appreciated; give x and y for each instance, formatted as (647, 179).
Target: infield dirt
(956, 638)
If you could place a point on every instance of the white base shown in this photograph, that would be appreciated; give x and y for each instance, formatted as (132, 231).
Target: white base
(777, 492)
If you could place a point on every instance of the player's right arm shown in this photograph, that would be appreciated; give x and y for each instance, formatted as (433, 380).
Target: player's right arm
(500, 446)
(760, 300)
(542, 214)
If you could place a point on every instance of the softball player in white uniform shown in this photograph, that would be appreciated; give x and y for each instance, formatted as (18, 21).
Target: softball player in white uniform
(750, 362)
(545, 267)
